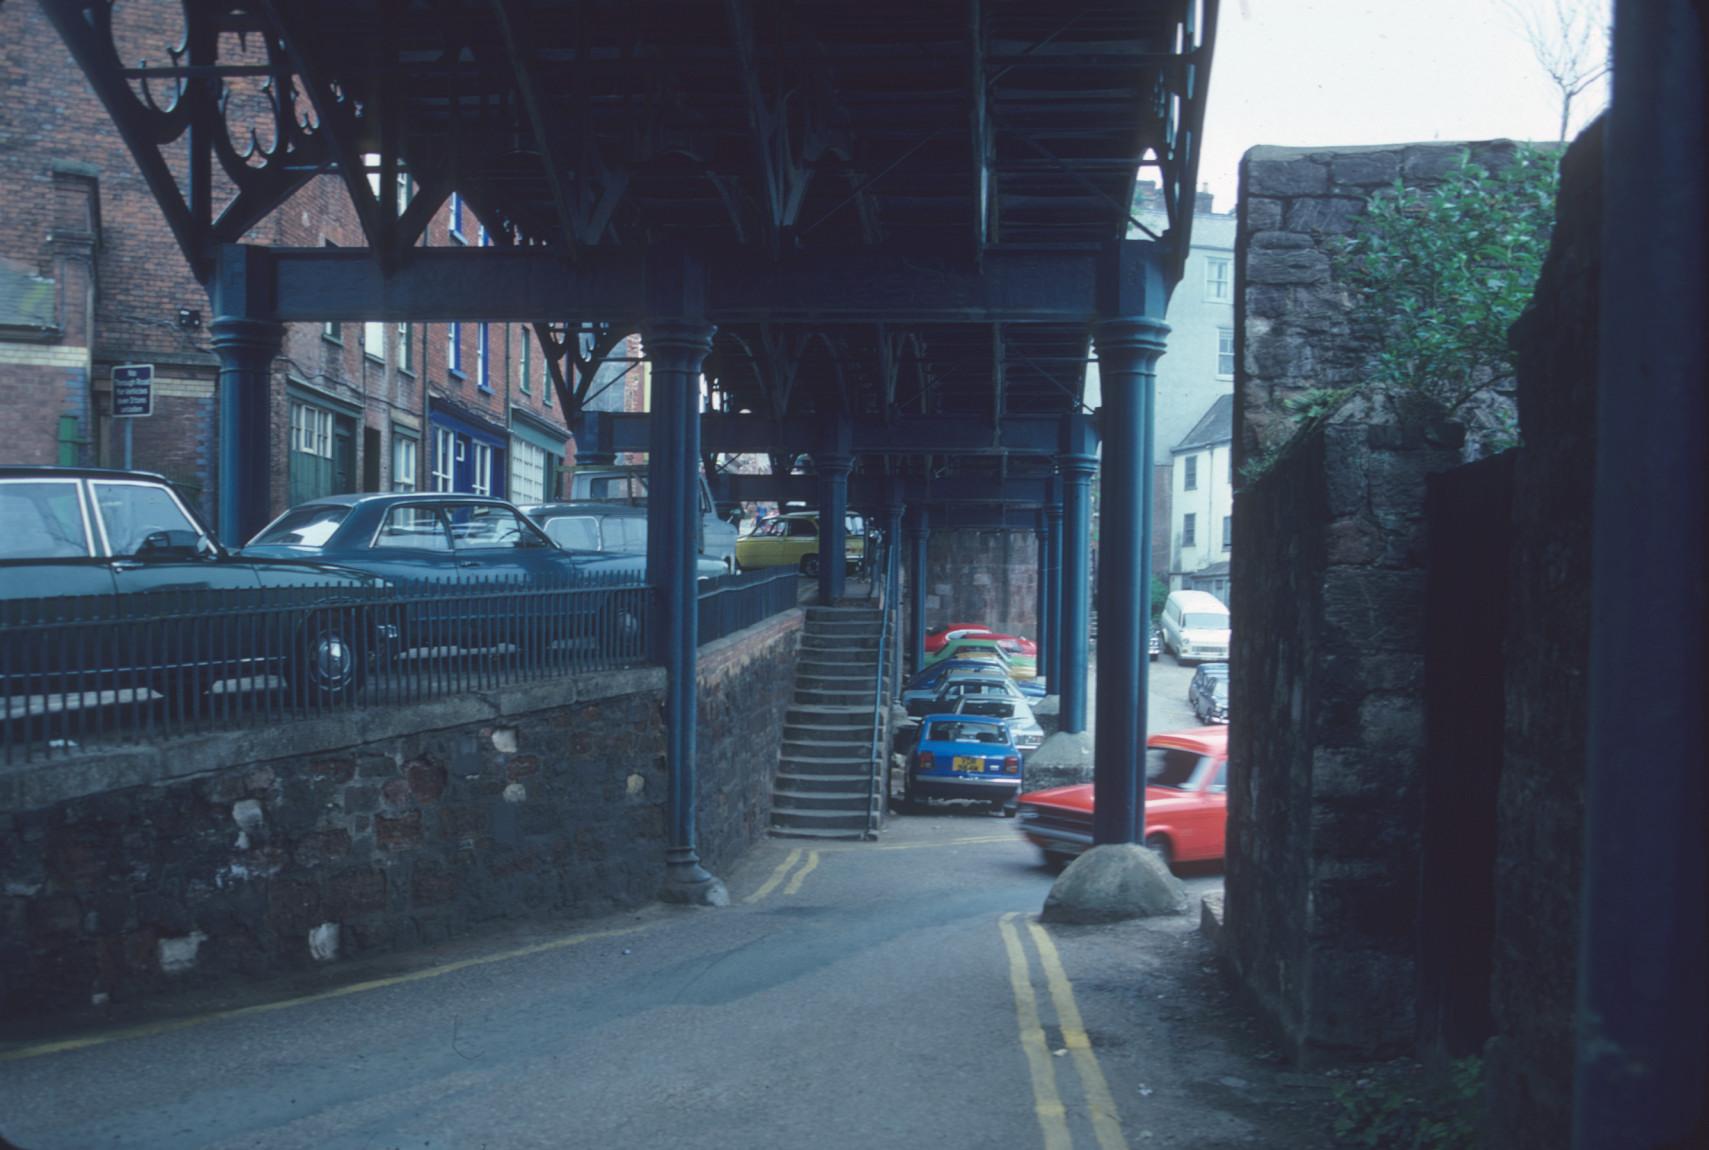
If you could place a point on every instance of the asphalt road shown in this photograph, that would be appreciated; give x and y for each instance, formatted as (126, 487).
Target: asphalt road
(863, 995)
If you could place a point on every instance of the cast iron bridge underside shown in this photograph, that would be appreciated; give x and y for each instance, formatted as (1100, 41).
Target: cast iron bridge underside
(864, 143)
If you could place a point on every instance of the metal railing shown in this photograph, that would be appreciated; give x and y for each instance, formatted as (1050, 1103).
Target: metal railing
(77, 672)
(731, 602)
(878, 798)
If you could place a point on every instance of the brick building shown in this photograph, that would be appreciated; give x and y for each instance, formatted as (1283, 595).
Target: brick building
(91, 278)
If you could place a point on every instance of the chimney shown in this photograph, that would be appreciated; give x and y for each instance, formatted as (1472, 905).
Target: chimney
(1202, 201)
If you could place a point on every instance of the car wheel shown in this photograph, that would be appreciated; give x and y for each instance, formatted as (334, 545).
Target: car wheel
(328, 660)
(810, 566)
(1057, 860)
(1160, 845)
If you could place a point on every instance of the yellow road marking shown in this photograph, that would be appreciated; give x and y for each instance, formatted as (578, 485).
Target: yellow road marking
(948, 843)
(1106, 1120)
(794, 886)
(776, 877)
(151, 1029)
(1047, 1103)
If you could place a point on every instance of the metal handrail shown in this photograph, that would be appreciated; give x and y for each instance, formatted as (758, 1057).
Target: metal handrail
(880, 758)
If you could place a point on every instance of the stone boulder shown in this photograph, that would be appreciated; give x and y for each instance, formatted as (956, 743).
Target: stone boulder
(1114, 882)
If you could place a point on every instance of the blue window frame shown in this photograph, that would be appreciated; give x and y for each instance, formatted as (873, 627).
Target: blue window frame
(455, 227)
(483, 360)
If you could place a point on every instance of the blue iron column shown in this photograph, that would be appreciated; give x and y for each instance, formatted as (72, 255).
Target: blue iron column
(1041, 607)
(1053, 592)
(246, 347)
(833, 470)
(677, 348)
(892, 551)
(919, 533)
(1077, 464)
(1128, 350)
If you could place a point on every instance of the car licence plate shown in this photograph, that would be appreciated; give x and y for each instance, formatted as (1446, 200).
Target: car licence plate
(969, 763)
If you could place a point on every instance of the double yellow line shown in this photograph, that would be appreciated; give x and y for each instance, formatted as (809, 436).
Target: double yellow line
(1047, 1099)
(783, 868)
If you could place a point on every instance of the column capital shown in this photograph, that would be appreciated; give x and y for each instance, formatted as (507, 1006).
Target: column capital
(1076, 467)
(688, 335)
(240, 333)
(833, 464)
(1139, 333)
(1053, 512)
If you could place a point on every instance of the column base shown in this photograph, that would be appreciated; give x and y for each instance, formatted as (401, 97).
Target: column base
(687, 883)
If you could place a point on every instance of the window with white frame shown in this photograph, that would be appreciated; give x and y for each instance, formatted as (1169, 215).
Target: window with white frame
(374, 341)
(1225, 353)
(1190, 473)
(444, 459)
(454, 349)
(1189, 530)
(1227, 532)
(524, 361)
(546, 378)
(311, 430)
(454, 228)
(406, 350)
(405, 450)
(483, 358)
(1219, 278)
(482, 480)
(527, 473)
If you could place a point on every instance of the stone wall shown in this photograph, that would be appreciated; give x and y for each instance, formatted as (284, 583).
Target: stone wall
(247, 852)
(988, 577)
(1540, 806)
(1292, 331)
(1329, 574)
(746, 684)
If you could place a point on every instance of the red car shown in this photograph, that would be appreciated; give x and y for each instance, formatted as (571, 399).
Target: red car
(938, 636)
(1186, 802)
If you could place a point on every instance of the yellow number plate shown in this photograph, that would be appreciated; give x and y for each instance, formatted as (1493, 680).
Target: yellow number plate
(969, 763)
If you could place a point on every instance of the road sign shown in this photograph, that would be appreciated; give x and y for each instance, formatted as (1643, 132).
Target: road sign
(133, 390)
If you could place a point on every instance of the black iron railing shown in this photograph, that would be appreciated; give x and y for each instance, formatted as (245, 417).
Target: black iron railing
(732, 602)
(83, 671)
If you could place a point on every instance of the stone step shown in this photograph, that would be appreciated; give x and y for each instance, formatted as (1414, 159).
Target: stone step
(850, 823)
(835, 732)
(822, 765)
(779, 832)
(817, 613)
(807, 781)
(827, 742)
(783, 799)
(835, 698)
(836, 682)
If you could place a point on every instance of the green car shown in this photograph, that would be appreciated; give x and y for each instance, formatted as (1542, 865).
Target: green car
(1006, 653)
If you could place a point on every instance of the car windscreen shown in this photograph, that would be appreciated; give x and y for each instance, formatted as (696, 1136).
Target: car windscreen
(574, 532)
(1205, 621)
(626, 533)
(302, 527)
(41, 520)
(950, 731)
(1173, 767)
(995, 708)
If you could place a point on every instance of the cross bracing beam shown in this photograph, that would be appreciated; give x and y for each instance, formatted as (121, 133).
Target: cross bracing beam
(870, 491)
(608, 432)
(1059, 284)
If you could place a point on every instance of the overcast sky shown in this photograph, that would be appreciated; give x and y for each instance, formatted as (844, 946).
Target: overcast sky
(1326, 72)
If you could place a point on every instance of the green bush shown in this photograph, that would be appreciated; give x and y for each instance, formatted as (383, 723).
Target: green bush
(1424, 1113)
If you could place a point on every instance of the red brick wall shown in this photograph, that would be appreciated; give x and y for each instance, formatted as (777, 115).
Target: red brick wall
(50, 119)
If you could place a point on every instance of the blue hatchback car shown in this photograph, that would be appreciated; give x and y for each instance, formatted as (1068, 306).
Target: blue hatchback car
(965, 757)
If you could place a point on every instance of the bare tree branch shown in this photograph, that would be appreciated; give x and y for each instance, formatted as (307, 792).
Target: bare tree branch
(1571, 42)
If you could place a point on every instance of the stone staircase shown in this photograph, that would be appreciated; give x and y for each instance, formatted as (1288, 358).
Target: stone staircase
(824, 785)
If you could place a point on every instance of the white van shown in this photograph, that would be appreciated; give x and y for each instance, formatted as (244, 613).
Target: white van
(1195, 626)
(620, 484)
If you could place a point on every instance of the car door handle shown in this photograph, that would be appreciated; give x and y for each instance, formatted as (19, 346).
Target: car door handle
(468, 562)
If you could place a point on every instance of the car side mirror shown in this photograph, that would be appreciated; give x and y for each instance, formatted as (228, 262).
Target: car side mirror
(172, 545)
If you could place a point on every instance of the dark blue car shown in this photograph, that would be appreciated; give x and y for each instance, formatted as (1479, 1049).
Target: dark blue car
(965, 757)
(924, 684)
(477, 571)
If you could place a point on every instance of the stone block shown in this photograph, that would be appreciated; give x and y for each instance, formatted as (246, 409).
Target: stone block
(398, 832)
(395, 792)
(426, 780)
(356, 892)
(1286, 266)
(1353, 540)
(1279, 241)
(1365, 169)
(1113, 883)
(1262, 214)
(361, 799)
(322, 847)
(1328, 215)
(1284, 178)
(1427, 163)
(339, 770)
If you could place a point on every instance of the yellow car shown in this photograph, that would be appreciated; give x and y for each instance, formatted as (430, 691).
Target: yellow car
(792, 540)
